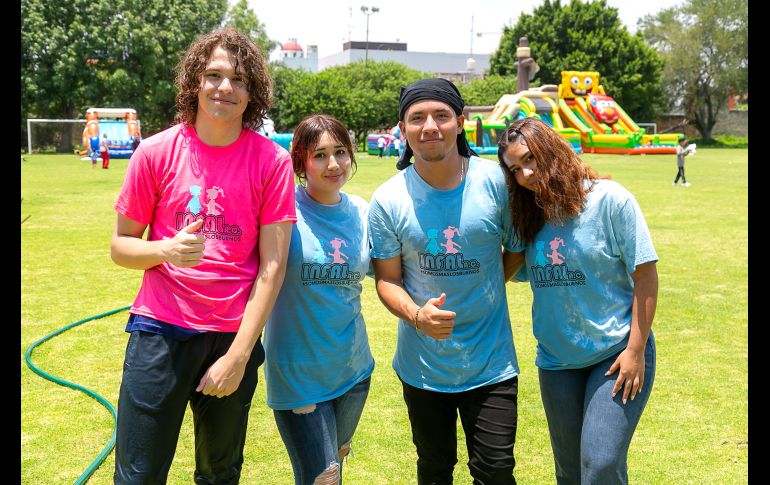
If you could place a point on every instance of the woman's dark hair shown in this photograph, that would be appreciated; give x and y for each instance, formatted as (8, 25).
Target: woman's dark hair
(248, 59)
(560, 176)
(307, 135)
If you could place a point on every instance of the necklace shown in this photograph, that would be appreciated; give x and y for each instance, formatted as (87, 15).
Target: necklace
(462, 169)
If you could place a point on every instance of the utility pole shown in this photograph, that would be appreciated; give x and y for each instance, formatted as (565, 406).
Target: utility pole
(366, 12)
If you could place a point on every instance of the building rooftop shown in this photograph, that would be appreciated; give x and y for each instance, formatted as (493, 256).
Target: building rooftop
(292, 45)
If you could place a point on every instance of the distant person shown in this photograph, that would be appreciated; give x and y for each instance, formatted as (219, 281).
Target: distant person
(93, 150)
(437, 230)
(397, 146)
(681, 152)
(381, 145)
(592, 269)
(104, 151)
(210, 279)
(317, 358)
(134, 144)
(94, 155)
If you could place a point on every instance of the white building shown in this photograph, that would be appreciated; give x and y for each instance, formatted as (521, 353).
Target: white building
(452, 66)
(294, 56)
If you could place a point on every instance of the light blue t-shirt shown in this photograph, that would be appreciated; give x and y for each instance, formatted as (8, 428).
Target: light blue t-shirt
(450, 241)
(580, 274)
(316, 346)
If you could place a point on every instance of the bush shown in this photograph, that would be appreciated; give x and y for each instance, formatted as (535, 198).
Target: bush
(723, 141)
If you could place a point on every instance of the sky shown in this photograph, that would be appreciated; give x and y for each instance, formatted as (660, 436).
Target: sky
(460, 26)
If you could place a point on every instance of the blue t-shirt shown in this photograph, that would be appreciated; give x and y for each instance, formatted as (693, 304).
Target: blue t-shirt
(316, 346)
(580, 274)
(450, 241)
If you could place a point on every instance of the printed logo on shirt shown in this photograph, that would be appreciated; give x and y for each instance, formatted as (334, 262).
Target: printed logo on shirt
(556, 272)
(328, 268)
(445, 258)
(215, 225)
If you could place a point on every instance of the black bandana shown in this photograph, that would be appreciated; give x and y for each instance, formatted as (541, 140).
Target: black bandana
(436, 89)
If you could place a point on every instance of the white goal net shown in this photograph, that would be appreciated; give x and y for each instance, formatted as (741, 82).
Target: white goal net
(55, 135)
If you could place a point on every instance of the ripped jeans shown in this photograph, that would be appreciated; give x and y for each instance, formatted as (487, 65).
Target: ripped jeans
(318, 440)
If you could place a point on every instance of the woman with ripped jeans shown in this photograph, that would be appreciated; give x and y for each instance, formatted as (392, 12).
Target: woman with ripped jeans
(317, 358)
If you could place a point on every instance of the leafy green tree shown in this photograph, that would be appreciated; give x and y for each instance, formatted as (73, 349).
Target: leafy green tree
(80, 54)
(489, 90)
(373, 102)
(364, 96)
(705, 46)
(587, 36)
(290, 95)
(293, 95)
(56, 45)
(243, 18)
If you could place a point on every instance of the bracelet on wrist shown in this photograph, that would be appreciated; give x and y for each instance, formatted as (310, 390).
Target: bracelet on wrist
(416, 325)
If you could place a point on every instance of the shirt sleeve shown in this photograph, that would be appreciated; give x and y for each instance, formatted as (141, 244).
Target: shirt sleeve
(278, 194)
(522, 276)
(509, 232)
(511, 241)
(631, 234)
(383, 241)
(139, 194)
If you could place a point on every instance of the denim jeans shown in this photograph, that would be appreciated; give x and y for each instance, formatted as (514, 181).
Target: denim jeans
(489, 419)
(314, 439)
(590, 430)
(160, 375)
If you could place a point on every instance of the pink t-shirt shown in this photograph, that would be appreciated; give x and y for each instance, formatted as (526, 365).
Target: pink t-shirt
(173, 179)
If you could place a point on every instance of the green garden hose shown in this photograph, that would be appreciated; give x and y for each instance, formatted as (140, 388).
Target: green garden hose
(110, 444)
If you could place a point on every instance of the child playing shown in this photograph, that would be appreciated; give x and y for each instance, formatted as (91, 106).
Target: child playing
(681, 152)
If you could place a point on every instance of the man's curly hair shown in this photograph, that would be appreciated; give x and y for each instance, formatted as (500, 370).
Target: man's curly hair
(246, 55)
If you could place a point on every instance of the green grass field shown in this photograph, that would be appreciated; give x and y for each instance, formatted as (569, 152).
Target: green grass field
(694, 430)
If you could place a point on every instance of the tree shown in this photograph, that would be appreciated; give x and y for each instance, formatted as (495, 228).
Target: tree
(243, 18)
(587, 37)
(80, 54)
(488, 91)
(56, 42)
(705, 46)
(293, 96)
(364, 96)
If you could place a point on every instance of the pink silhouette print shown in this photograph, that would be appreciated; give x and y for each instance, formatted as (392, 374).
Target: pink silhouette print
(451, 246)
(555, 255)
(337, 243)
(211, 205)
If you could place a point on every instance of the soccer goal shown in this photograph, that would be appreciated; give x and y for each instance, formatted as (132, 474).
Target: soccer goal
(49, 132)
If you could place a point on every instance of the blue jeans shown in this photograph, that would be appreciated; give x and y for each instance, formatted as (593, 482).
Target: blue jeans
(316, 439)
(590, 430)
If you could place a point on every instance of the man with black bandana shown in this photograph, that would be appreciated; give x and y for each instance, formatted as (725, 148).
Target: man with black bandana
(437, 230)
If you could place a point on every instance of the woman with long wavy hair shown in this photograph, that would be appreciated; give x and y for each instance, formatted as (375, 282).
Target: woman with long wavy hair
(590, 262)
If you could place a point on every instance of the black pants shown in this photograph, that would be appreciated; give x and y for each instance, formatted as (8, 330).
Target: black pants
(489, 418)
(680, 173)
(160, 375)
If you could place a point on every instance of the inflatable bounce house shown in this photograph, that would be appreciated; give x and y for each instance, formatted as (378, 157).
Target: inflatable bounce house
(283, 139)
(119, 124)
(390, 147)
(267, 128)
(579, 110)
